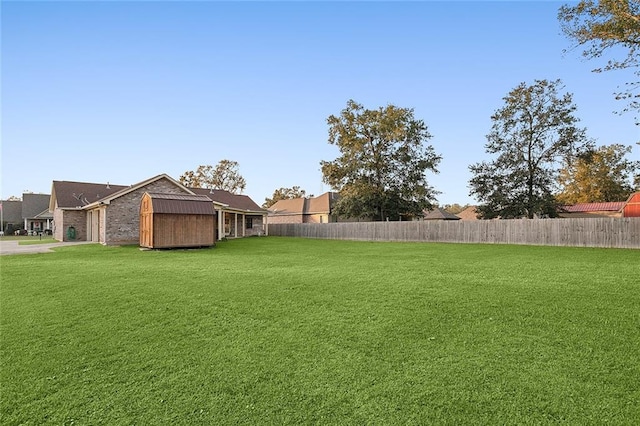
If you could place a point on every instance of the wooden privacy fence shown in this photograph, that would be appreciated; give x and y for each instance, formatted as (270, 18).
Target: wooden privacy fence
(578, 232)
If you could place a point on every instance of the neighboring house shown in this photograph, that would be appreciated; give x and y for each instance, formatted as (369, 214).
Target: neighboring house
(632, 206)
(72, 220)
(305, 210)
(35, 212)
(287, 211)
(240, 215)
(439, 214)
(31, 214)
(110, 214)
(470, 213)
(11, 212)
(608, 209)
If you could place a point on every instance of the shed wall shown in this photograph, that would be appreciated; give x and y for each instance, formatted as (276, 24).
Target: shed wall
(175, 230)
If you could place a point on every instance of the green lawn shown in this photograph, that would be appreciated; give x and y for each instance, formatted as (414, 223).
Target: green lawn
(290, 331)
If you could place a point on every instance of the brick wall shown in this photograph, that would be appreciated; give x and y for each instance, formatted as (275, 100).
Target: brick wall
(294, 218)
(63, 219)
(316, 218)
(122, 221)
(257, 227)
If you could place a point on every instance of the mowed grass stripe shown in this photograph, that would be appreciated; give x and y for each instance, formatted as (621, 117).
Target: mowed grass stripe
(294, 331)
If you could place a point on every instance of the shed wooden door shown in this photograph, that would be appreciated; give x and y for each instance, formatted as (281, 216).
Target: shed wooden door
(146, 222)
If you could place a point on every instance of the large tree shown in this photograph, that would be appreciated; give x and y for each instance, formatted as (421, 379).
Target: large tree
(598, 175)
(284, 194)
(531, 135)
(607, 26)
(384, 157)
(225, 175)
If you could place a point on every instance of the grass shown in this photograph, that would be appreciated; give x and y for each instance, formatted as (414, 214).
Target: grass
(292, 331)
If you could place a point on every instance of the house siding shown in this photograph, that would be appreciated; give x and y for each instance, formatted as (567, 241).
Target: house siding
(58, 223)
(316, 218)
(290, 218)
(306, 218)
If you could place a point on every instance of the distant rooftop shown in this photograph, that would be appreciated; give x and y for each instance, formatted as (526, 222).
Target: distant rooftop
(613, 206)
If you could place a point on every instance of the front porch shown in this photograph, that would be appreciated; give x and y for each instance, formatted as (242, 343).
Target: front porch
(236, 224)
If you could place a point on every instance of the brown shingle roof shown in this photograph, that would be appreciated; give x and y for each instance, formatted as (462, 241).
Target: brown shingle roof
(34, 204)
(234, 201)
(77, 194)
(470, 213)
(320, 204)
(291, 206)
(12, 211)
(181, 204)
(45, 214)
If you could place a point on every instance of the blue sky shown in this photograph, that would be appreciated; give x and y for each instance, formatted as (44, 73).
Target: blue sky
(122, 91)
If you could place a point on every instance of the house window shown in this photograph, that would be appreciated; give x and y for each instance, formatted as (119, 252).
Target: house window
(249, 222)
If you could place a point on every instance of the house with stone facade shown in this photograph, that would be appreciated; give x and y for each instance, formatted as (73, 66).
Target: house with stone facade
(110, 214)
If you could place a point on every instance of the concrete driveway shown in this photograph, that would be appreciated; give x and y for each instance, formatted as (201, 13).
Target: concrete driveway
(12, 247)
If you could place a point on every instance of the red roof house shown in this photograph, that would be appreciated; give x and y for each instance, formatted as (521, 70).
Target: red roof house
(632, 206)
(608, 209)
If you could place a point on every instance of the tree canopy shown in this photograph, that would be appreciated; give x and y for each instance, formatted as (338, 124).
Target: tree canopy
(284, 194)
(598, 175)
(225, 175)
(607, 26)
(384, 157)
(531, 134)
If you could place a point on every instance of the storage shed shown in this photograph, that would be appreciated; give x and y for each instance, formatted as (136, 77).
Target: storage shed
(176, 220)
(632, 207)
